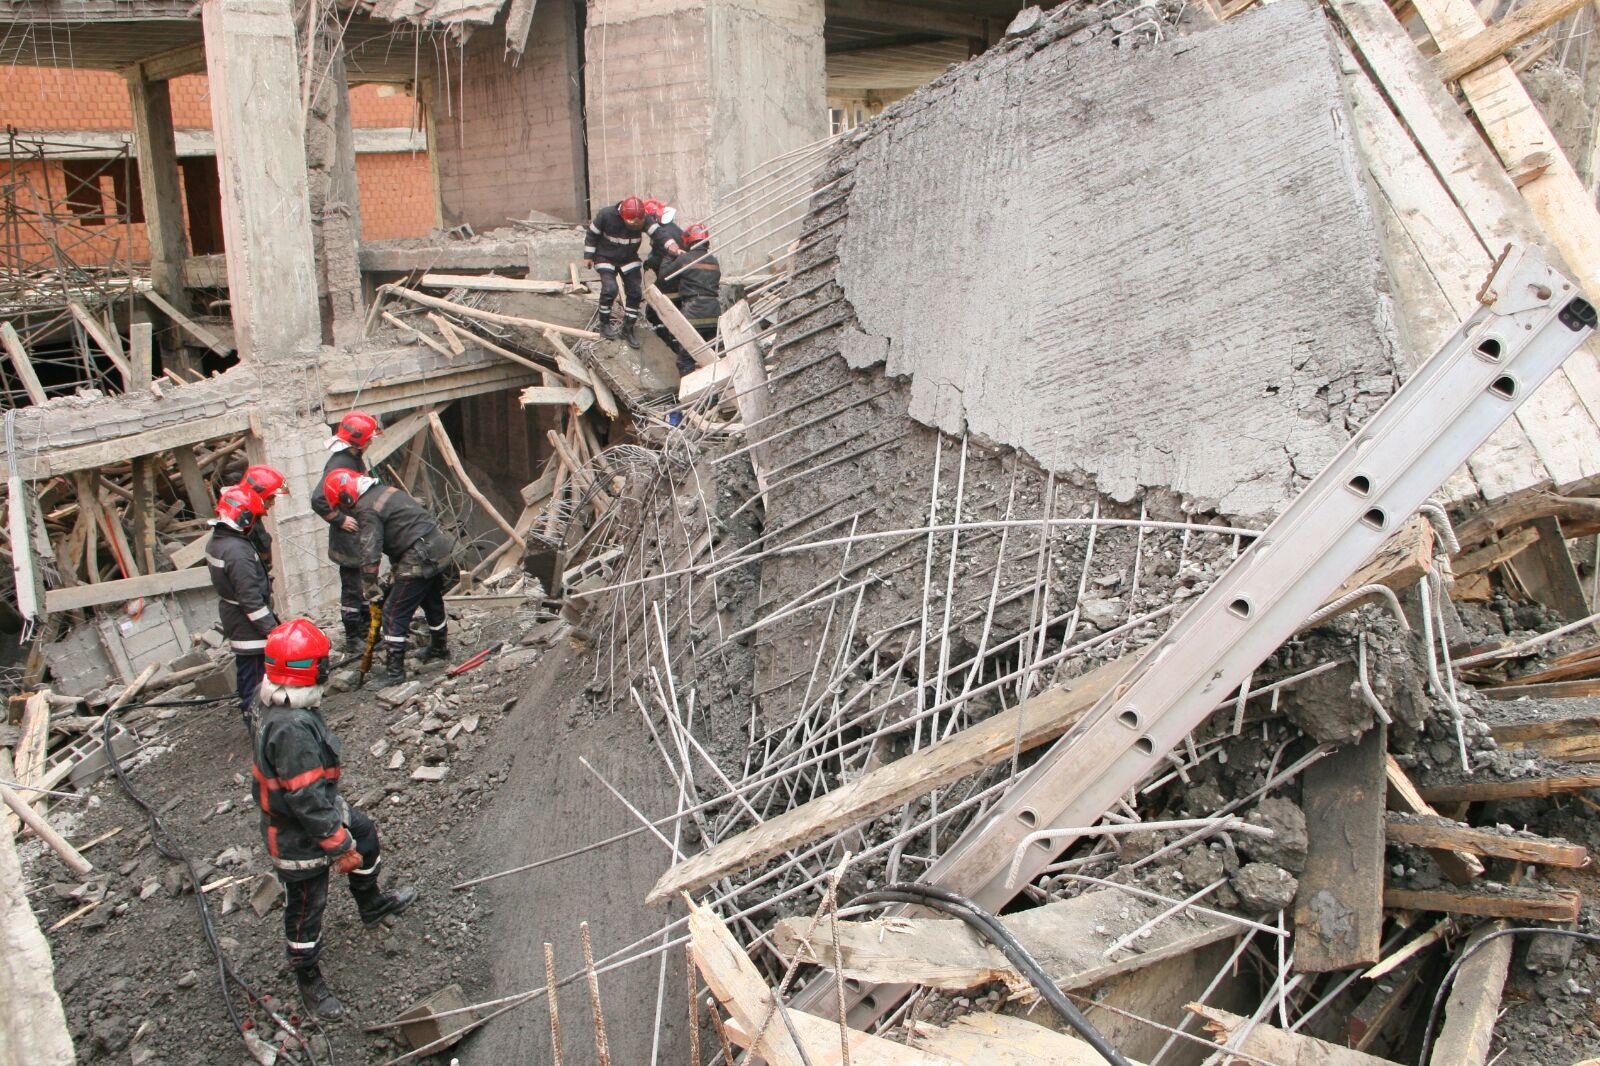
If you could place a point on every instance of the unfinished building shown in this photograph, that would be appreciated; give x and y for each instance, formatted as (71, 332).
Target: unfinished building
(1135, 524)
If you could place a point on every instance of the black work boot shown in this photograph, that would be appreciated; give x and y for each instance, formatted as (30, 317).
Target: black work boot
(438, 645)
(397, 664)
(319, 1000)
(355, 638)
(608, 327)
(376, 905)
(630, 333)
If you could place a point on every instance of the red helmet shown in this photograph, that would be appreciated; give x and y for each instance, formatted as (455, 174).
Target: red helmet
(654, 208)
(266, 481)
(632, 211)
(296, 651)
(696, 233)
(240, 505)
(342, 488)
(357, 429)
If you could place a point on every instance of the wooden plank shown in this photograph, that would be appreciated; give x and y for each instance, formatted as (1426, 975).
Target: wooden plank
(491, 283)
(1494, 42)
(97, 333)
(75, 862)
(739, 987)
(1528, 733)
(398, 435)
(821, 1038)
(447, 451)
(417, 335)
(1524, 507)
(1069, 938)
(1492, 555)
(1338, 910)
(1511, 901)
(1381, 1007)
(697, 383)
(195, 486)
(447, 333)
(79, 597)
(1485, 843)
(1554, 690)
(1474, 1004)
(489, 316)
(581, 397)
(1271, 1044)
(573, 367)
(22, 364)
(1546, 571)
(33, 743)
(1486, 790)
(1002, 1040)
(1403, 796)
(28, 579)
(699, 349)
(1575, 671)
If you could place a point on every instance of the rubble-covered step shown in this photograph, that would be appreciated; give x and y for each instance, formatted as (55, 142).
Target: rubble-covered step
(1555, 735)
(1499, 842)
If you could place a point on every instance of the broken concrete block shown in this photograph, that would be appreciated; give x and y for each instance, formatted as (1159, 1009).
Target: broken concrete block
(1027, 20)
(397, 760)
(398, 694)
(430, 773)
(265, 893)
(1264, 888)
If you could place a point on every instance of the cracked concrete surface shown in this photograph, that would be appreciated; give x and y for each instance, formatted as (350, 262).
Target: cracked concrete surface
(1155, 269)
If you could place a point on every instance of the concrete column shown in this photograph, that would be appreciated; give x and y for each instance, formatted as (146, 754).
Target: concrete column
(161, 195)
(686, 95)
(334, 195)
(254, 77)
(33, 1028)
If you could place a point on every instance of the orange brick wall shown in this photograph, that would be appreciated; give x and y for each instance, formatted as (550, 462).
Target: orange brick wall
(397, 198)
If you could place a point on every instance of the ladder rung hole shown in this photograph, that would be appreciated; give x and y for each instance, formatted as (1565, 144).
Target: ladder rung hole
(1375, 518)
(1360, 485)
(1027, 817)
(1144, 746)
(1490, 349)
(1240, 607)
(1129, 718)
(1505, 385)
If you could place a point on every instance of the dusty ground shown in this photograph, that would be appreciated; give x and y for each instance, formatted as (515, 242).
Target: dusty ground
(136, 978)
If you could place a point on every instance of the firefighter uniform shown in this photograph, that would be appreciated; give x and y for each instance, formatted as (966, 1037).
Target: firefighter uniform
(692, 281)
(393, 524)
(244, 592)
(345, 550)
(613, 246)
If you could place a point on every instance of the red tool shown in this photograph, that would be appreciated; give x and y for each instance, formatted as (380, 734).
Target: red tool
(477, 660)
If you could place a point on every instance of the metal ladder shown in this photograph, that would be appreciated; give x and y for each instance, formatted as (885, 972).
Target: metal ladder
(1530, 320)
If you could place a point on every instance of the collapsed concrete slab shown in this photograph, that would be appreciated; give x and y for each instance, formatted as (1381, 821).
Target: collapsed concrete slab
(1153, 269)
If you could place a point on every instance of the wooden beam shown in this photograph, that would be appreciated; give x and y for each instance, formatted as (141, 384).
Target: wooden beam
(1492, 555)
(1564, 739)
(1002, 1040)
(697, 383)
(195, 486)
(1546, 571)
(489, 316)
(570, 365)
(1553, 691)
(447, 451)
(68, 854)
(102, 340)
(1510, 901)
(490, 346)
(22, 364)
(1492, 43)
(1474, 1004)
(33, 744)
(450, 339)
(698, 347)
(491, 283)
(1485, 842)
(155, 148)
(417, 335)
(739, 987)
(1381, 1008)
(1338, 910)
(1483, 790)
(398, 435)
(1523, 508)
(187, 324)
(79, 597)
(1271, 1044)
(581, 397)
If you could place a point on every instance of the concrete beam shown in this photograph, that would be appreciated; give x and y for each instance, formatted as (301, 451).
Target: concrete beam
(155, 144)
(909, 17)
(254, 79)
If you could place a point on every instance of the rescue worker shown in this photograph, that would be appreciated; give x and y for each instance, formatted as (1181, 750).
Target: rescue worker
(310, 830)
(692, 280)
(268, 483)
(389, 522)
(244, 590)
(612, 248)
(347, 444)
(666, 236)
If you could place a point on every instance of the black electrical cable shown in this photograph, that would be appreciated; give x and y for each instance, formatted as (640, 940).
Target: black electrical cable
(165, 844)
(1450, 974)
(989, 927)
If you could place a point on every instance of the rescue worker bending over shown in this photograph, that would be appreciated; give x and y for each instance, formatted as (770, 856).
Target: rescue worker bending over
(692, 280)
(268, 483)
(244, 591)
(611, 247)
(666, 236)
(309, 829)
(347, 444)
(390, 522)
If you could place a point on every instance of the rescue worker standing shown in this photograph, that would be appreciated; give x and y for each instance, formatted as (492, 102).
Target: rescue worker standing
(347, 444)
(310, 830)
(390, 522)
(692, 280)
(244, 590)
(666, 236)
(611, 247)
(268, 483)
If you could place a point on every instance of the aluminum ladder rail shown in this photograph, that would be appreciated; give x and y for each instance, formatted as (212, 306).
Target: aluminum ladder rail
(1531, 319)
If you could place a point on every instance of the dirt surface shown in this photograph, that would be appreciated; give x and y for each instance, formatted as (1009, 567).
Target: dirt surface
(135, 975)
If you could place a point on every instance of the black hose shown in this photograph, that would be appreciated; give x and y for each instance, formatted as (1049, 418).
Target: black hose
(1450, 974)
(989, 927)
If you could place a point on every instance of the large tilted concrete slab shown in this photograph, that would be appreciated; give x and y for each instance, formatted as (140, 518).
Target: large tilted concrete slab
(1155, 269)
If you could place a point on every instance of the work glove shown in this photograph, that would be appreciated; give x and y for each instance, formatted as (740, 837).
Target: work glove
(588, 264)
(347, 862)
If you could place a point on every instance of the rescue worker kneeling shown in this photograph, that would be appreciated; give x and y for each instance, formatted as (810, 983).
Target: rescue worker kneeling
(390, 522)
(310, 830)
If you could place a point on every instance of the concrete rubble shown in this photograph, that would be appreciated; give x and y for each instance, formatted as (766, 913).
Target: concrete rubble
(751, 666)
